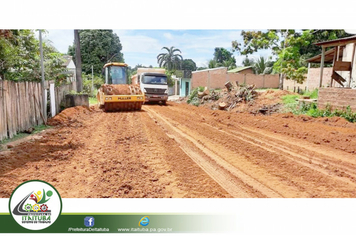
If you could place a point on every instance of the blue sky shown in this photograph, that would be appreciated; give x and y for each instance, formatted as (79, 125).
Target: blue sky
(143, 46)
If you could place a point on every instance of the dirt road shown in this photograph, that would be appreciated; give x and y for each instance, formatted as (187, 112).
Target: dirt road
(185, 151)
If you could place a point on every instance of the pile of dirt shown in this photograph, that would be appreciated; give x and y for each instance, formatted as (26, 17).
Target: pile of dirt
(239, 98)
(69, 115)
(229, 97)
(121, 89)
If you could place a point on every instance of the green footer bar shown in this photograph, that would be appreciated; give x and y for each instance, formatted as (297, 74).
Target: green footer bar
(124, 223)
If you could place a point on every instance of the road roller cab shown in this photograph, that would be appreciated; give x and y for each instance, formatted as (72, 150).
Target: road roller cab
(116, 94)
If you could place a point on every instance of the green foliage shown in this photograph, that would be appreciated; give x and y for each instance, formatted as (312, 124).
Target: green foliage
(248, 62)
(93, 100)
(87, 84)
(221, 55)
(170, 80)
(222, 58)
(189, 64)
(20, 58)
(312, 94)
(212, 64)
(311, 109)
(290, 99)
(170, 60)
(291, 48)
(18, 136)
(98, 47)
(193, 96)
(263, 66)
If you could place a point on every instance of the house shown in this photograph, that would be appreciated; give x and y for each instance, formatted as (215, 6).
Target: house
(185, 81)
(341, 55)
(242, 70)
(70, 67)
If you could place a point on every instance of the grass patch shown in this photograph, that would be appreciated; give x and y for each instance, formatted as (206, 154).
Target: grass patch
(18, 136)
(290, 99)
(312, 94)
(93, 100)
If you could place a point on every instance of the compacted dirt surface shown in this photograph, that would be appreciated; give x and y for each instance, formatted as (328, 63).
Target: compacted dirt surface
(183, 151)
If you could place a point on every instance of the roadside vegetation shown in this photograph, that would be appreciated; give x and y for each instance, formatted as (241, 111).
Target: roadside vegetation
(291, 104)
(21, 135)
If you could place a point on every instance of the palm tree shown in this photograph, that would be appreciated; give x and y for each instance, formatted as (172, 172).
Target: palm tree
(170, 60)
(212, 64)
(229, 64)
(263, 66)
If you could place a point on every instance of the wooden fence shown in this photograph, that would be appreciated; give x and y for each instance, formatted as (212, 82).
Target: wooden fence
(20, 106)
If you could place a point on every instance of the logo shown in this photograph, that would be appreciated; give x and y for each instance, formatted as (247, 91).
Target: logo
(35, 204)
(89, 221)
(144, 221)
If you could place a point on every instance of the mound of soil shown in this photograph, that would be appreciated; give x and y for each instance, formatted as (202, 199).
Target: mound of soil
(69, 115)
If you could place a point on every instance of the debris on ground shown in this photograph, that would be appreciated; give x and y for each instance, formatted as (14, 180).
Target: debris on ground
(239, 98)
(229, 97)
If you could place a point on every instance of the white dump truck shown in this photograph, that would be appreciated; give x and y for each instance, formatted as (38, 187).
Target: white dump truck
(153, 82)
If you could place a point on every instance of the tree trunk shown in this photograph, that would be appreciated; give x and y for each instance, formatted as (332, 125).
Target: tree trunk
(78, 61)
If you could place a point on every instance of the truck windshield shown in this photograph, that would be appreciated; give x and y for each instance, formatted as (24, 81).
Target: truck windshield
(117, 75)
(152, 79)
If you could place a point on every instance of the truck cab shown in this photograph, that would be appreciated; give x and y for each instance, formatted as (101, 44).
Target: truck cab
(155, 86)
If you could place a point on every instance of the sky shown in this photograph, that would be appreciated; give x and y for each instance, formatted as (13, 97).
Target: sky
(143, 46)
(195, 27)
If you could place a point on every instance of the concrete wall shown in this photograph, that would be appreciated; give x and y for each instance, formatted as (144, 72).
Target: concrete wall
(219, 77)
(338, 98)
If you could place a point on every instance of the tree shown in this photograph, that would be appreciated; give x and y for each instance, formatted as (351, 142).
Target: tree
(248, 62)
(20, 60)
(212, 64)
(170, 60)
(97, 48)
(263, 66)
(189, 64)
(291, 47)
(221, 55)
(222, 58)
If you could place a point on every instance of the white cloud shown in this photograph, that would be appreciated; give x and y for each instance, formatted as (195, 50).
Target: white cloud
(168, 35)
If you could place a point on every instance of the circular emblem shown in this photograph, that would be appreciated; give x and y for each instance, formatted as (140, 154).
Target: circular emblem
(35, 205)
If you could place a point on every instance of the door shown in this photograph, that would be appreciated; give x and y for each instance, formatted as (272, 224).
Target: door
(186, 88)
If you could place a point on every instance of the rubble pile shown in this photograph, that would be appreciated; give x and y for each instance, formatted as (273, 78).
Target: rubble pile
(229, 97)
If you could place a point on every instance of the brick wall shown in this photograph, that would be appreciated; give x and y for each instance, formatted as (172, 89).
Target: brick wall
(312, 81)
(219, 77)
(338, 98)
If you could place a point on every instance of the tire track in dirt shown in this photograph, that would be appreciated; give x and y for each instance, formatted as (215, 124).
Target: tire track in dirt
(212, 168)
(312, 162)
(107, 155)
(311, 178)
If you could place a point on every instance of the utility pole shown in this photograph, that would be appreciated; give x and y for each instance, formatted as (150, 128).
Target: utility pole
(92, 80)
(78, 61)
(44, 99)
